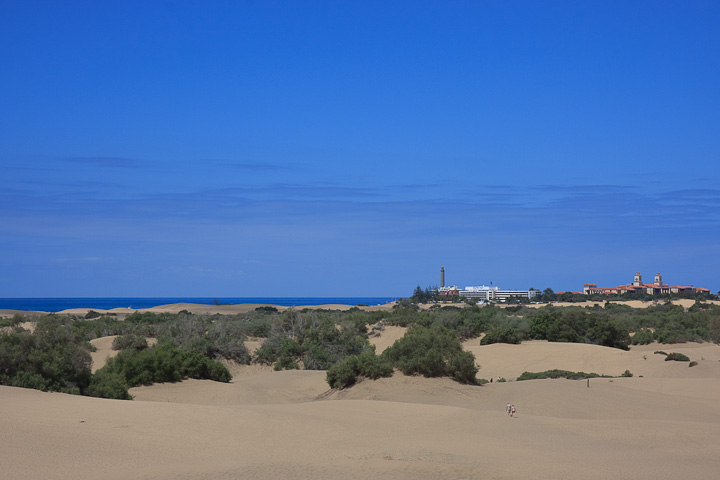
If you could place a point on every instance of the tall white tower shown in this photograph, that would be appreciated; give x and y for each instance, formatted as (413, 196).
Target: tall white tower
(637, 280)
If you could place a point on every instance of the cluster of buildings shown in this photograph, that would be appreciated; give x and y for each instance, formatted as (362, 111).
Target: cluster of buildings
(655, 288)
(495, 294)
(482, 293)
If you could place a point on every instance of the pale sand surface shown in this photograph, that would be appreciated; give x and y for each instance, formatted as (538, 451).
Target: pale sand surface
(389, 335)
(279, 425)
(103, 352)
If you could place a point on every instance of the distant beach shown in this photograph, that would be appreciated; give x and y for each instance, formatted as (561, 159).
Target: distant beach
(136, 303)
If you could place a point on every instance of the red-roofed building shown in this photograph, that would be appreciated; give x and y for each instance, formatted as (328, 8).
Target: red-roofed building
(655, 288)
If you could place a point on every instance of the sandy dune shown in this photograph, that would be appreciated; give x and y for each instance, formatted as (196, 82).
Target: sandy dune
(103, 351)
(387, 337)
(404, 428)
(270, 425)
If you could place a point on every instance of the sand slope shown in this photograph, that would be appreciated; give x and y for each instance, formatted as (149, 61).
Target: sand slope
(614, 432)
(278, 425)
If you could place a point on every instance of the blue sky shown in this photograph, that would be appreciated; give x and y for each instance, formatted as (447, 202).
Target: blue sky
(316, 148)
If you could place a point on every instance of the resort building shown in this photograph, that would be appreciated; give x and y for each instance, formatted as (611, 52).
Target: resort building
(637, 285)
(495, 294)
(482, 293)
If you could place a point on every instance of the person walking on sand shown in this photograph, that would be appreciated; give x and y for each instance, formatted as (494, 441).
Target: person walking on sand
(512, 411)
(507, 409)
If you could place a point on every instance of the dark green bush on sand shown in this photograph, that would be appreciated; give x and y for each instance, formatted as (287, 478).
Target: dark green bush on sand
(344, 373)
(432, 352)
(161, 363)
(107, 384)
(502, 335)
(52, 358)
(556, 374)
(678, 357)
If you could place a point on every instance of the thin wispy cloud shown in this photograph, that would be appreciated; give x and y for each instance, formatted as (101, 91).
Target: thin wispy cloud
(104, 162)
(258, 167)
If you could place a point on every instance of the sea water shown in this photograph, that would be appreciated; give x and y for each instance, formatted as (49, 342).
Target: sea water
(58, 304)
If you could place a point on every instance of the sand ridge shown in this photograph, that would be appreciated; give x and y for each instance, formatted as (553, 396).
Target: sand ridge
(422, 428)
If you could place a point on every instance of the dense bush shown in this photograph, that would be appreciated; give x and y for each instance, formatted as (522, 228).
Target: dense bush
(678, 357)
(432, 352)
(502, 335)
(345, 373)
(266, 309)
(130, 340)
(52, 358)
(161, 363)
(609, 332)
(107, 384)
(315, 338)
(643, 337)
(16, 319)
(556, 374)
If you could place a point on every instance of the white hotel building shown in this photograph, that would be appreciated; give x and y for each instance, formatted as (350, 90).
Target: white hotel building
(487, 294)
(483, 293)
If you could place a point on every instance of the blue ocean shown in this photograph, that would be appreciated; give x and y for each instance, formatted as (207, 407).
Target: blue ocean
(58, 304)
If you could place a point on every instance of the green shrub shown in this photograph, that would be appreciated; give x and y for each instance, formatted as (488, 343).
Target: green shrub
(626, 373)
(16, 319)
(106, 384)
(432, 352)
(317, 339)
(345, 373)
(643, 337)
(693, 363)
(502, 335)
(373, 366)
(285, 363)
(266, 309)
(131, 340)
(678, 357)
(162, 363)
(556, 374)
(54, 357)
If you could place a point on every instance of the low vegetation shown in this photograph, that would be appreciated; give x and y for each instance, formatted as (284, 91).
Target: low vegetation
(678, 357)
(433, 351)
(557, 374)
(162, 363)
(56, 355)
(566, 374)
